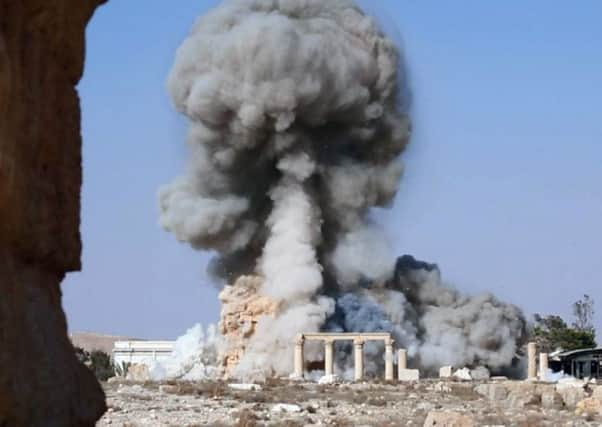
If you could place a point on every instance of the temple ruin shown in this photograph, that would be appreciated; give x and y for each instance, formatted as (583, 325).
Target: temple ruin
(328, 338)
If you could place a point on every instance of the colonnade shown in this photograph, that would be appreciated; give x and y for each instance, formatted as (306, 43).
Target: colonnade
(328, 338)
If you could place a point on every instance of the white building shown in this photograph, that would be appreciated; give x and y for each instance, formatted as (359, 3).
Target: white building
(141, 352)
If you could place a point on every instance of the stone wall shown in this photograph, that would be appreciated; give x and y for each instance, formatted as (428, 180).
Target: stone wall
(242, 307)
(41, 61)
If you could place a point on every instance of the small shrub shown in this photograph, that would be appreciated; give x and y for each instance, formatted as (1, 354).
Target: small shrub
(98, 361)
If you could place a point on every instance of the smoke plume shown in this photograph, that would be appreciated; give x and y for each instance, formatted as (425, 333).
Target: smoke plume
(297, 121)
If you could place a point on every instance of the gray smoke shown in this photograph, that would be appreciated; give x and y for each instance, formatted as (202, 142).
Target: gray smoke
(297, 120)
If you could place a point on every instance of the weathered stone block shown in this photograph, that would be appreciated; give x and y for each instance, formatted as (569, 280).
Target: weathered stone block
(448, 419)
(409, 375)
(496, 392)
(446, 371)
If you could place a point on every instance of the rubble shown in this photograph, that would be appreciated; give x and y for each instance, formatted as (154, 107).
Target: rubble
(285, 407)
(571, 395)
(245, 387)
(496, 392)
(551, 400)
(448, 419)
(329, 379)
(589, 407)
(463, 374)
(283, 402)
(138, 372)
(480, 373)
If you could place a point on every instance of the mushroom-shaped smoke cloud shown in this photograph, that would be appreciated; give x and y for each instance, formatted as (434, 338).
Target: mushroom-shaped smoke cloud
(297, 121)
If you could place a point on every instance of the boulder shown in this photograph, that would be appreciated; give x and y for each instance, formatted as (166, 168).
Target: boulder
(409, 375)
(571, 395)
(495, 392)
(448, 419)
(245, 387)
(589, 407)
(138, 372)
(518, 399)
(169, 388)
(329, 379)
(550, 399)
(463, 374)
(287, 408)
(480, 373)
(446, 371)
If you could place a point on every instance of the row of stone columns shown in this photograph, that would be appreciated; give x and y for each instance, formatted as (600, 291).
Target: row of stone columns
(358, 345)
(532, 373)
(402, 359)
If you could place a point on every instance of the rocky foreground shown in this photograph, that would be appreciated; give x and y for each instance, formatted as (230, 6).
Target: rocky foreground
(284, 403)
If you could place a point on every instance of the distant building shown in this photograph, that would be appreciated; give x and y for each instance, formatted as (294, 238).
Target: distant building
(141, 352)
(583, 363)
(90, 341)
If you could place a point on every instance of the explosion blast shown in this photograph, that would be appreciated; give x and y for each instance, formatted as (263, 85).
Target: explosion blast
(298, 116)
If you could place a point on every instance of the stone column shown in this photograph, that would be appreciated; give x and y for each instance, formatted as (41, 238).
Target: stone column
(532, 362)
(543, 366)
(388, 360)
(299, 356)
(359, 359)
(328, 357)
(402, 361)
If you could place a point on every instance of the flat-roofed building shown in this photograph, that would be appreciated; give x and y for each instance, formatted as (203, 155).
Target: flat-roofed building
(582, 363)
(141, 352)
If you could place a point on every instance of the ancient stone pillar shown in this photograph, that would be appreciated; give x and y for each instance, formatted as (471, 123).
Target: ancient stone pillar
(543, 366)
(531, 362)
(389, 360)
(359, 359)
(299, 356)
(402, 358)
(328, 357)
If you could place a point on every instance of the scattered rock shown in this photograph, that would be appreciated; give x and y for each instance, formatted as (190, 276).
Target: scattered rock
(409, 375)
(245, 387)
(329, 379)
(170, 389)
(286, 408)
(138, 372)
(571, 393)
(448, 419)
(441, 387)
(518, 400)
(480, 373)
(463, 374)
(551, 400)
(446, 371)
(589, 407)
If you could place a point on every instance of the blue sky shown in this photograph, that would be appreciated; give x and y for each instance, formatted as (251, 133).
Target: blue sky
(503, 177)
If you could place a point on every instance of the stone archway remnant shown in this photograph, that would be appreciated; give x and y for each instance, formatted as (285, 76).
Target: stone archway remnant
(41, 61)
